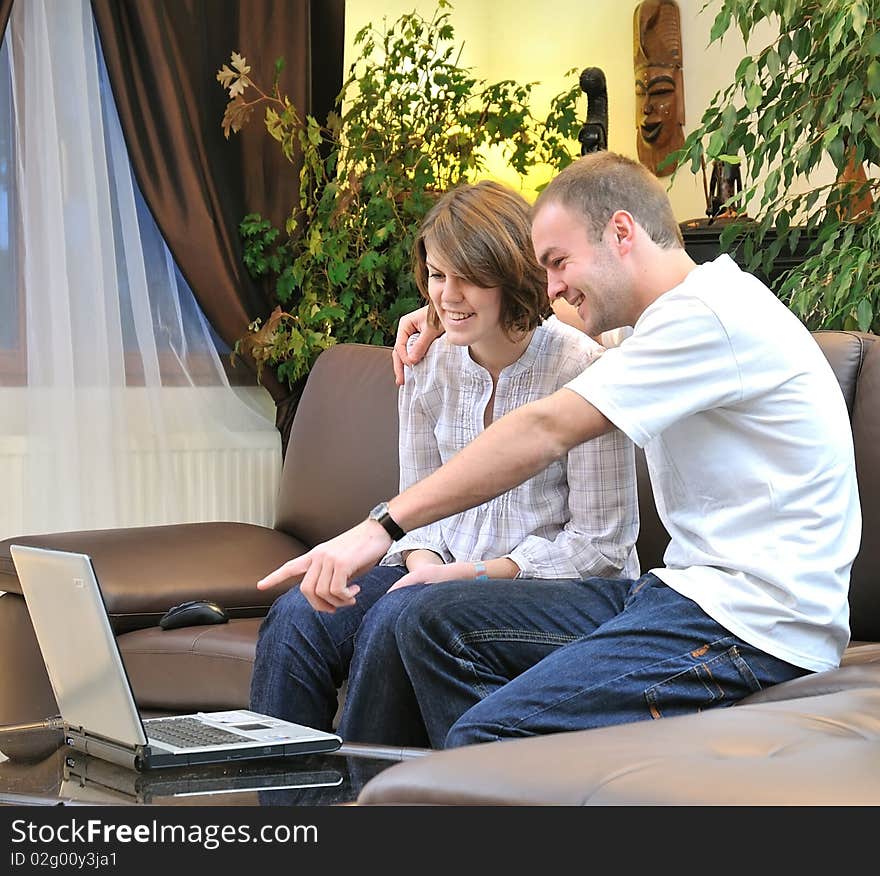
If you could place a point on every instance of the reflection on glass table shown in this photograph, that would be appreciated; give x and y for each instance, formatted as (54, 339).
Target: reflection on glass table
(70, 777)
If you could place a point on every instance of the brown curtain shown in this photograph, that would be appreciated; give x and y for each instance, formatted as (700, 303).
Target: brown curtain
(162, 58)
(5, 7)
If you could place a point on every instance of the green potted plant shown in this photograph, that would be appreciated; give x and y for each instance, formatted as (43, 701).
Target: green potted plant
(410, 122)
(812, 93)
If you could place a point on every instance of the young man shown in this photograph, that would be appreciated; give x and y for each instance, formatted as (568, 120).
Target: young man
(750, 453)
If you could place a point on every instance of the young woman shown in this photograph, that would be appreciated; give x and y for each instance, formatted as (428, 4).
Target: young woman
(474, 263)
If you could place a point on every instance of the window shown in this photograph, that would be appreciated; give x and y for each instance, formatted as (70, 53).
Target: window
(115, 408)
(187, 346)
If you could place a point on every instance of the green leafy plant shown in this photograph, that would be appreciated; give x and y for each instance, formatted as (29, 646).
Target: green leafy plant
(813, 92)
(409, 123)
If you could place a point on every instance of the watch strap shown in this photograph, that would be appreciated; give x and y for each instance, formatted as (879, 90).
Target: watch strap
(383, 517)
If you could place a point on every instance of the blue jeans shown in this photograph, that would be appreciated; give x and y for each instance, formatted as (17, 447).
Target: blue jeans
(304, 656)
(508, 659)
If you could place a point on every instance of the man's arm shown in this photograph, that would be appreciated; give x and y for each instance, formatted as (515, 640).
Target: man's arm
(510, 451)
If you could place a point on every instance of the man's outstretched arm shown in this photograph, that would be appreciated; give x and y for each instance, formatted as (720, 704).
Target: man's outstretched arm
(510, 451)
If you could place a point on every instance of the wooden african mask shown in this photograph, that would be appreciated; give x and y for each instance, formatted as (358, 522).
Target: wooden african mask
(659, 83)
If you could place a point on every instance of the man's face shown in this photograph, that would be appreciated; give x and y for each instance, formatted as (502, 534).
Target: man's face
(587, 274)
(657, 108)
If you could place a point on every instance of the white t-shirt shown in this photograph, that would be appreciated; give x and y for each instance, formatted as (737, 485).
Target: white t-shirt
(749, 448)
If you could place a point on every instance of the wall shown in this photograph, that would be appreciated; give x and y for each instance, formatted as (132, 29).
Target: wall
(539, 41)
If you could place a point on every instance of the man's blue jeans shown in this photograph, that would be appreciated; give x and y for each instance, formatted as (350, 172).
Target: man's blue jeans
(303, 657)
(506, 659)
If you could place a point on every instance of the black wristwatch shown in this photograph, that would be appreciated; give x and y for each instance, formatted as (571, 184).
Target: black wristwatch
(389, 524)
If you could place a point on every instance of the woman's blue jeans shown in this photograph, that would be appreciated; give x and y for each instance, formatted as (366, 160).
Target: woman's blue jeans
(507, 659)
(304, 656)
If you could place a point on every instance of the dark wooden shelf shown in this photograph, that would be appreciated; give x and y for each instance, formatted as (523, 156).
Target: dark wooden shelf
(701, 244)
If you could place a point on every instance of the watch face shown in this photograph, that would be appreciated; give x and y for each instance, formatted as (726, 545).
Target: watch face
(378, 511)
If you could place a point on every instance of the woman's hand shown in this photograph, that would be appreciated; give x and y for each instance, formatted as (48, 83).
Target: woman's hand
(419, 557)
(409, 324)
(431, 573)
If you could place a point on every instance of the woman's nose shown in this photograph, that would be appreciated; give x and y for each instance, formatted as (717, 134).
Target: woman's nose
(451, 289)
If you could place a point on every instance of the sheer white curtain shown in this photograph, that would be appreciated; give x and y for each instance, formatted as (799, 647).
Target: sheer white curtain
(114, 406)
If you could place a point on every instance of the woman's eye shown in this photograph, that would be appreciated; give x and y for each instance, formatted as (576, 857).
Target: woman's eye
(433, 275)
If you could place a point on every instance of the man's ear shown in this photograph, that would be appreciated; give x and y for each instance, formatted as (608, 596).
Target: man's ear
(623, 230)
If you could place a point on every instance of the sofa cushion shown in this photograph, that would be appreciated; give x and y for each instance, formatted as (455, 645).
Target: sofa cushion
(845, 352)
(143, 571)
(818, 751)
(341, 457)
(195, 668)
(864, 594)
(191, 668)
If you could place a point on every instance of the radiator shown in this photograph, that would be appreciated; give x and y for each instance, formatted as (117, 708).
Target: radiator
(192, 481)
(237, 484)
(12, 459)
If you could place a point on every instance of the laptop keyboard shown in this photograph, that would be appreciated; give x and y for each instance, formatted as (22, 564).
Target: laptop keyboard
(188, 732)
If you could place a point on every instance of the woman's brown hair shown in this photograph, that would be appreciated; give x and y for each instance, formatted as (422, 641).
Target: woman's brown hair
(483, 232)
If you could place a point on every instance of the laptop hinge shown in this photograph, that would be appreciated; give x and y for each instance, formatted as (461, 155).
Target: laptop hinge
(99, 747)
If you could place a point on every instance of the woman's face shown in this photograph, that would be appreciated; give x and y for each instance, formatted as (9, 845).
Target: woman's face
(469, 313)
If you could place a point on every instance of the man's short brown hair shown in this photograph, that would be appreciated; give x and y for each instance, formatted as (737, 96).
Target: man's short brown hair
(483, 233)
(597, 185)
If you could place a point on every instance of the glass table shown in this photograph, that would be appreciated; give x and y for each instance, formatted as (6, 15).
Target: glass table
(54, 774)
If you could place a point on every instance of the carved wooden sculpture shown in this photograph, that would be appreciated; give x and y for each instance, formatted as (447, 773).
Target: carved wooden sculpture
(726, 182)
(593, 136)
(659, 83)
(861, 200)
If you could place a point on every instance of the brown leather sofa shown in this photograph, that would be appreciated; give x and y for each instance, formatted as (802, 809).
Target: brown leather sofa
(813, 740)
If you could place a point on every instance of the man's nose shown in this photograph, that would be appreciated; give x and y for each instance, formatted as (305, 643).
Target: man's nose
(555, 288)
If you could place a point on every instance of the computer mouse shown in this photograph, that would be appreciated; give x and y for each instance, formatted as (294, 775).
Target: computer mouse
(193, 614)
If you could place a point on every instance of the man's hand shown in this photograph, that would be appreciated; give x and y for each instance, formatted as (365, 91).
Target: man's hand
(409, 324)
(327, 568)
(431, 573)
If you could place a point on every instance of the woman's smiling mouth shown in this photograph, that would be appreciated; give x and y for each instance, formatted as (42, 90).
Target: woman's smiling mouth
(455, 316)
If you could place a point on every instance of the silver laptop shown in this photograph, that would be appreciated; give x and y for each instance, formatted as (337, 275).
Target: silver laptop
(94, 694)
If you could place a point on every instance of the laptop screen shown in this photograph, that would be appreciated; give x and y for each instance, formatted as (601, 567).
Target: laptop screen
(79, 649)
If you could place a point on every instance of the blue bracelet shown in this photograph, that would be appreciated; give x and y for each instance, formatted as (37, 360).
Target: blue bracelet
(481, 575)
